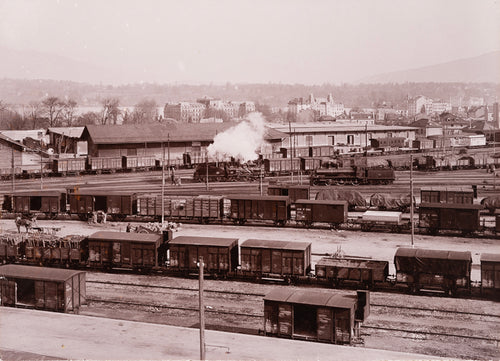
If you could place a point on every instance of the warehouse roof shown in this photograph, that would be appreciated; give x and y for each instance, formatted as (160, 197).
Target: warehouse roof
(315, 298)
(36, 273)
(179, 132)
(204, 241)
(124, 236)
(70, 132)
(339, 128)
(273, 244)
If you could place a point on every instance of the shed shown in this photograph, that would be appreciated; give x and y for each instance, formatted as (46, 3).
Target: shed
(123, 249)
(283, 258)
(220, 254)
(490, 271)
(50, 289)
(312, 315)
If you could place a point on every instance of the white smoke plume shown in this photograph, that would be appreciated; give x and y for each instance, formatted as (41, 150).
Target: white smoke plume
(241, 142)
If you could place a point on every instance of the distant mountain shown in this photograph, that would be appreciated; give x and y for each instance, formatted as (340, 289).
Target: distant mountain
(483, 68)
(23, 64)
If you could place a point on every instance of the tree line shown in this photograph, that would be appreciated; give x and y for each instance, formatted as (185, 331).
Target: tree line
(57, 112)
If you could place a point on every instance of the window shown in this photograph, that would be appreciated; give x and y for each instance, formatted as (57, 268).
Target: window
(350, 139)
(309, 140)
(332, 139)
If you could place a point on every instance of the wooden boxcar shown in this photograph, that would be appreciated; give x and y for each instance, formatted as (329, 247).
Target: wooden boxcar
(50, 289)
(310, 164)
(435, 269)
(269, 257)
(294, 192)
(50, 203)
(282, 166)
(220, 255)
(264, 208)
(66, 166)
(203, 208)
(460, 217)
(108, 249)
(48, 249)
(447, 195)
(323, 211)
(118, 204)
(312, 315)
(104, 164)
(352, 270)
(9, 247)
(490, 271)
(133, 163)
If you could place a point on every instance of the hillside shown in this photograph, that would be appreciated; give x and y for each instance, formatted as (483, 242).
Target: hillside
(483, 68)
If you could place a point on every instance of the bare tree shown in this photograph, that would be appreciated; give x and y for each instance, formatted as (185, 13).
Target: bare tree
(68, 113)
(53, 107)
(34, 114)
(88, 118)
(144, 112)
(110, 111)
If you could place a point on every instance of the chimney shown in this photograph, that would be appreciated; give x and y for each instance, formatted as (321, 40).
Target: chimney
(486, 112)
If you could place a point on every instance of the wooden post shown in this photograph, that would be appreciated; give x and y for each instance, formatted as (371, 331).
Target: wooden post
(411, 200)
(163, 184)
(202, 312)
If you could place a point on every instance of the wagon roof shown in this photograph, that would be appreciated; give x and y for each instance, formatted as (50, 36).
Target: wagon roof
(124, 236)
(274, 244)
(50, 193)
(321, 201)
(451, 205)
(490, 257)
(37, 273)
(204, 241)
(307, 297)
(352, 263)
(286, 186)
(264, 198)
(432, 253)
(448, 189)
(99, 192)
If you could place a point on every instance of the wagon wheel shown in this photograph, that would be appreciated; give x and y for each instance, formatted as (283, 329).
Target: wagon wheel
(119, 217)
(52, 216)
(241, 221)
(355, 182)
(83, 217)
(315, 182)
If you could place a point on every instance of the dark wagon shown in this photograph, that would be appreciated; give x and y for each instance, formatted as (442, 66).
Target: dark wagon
(447, 195)
(117, 204)
(294, 192)
(262, 208)
(323, 211)
(140, 251)
(490, 272)
(460, 217)
(447, 271)
(51, 289)
(358, 272)
(220, 255)
(50, 203)
(275, 258)
(313, 315)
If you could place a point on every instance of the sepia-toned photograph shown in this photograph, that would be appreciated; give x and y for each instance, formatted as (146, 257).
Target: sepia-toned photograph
(249, 180)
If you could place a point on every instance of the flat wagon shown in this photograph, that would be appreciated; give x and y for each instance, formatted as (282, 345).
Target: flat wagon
(220, 255)
(51, 289)
(275, 258)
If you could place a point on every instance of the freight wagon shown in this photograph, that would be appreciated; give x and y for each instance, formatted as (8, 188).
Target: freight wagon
(433, 269)
(69, 166)
(447, 195)
(262, 208)
(29, 203)
(461, 217)
(98, 165)
(220, 255)
(117, 204)
(354, 271)
(308, 212)
(293, 192)
(314, 315)
(265, 258)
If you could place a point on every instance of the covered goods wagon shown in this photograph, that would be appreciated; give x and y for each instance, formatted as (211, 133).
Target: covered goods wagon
(322, 211)
(265, 208)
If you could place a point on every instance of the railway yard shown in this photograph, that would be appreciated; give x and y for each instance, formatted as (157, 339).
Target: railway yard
(429, 323)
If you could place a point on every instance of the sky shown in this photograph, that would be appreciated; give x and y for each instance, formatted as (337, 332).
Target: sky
(252, 41)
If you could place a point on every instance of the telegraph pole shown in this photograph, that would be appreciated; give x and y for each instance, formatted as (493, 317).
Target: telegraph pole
(163, 184)
(411, 200)
(202, 312)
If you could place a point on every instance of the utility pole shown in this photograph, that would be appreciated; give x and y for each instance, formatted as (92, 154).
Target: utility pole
(291, 148)
(41, 170)
(206, 169)
(163, 184)
(411, 200)
(13, 178)
(202, 312)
